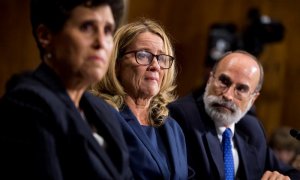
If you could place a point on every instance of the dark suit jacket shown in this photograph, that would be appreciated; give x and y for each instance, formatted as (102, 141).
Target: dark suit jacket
(144, 159)
(43, 135)
(203, 145)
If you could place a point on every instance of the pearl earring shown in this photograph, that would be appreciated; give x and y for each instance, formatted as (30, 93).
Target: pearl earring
(47, 56)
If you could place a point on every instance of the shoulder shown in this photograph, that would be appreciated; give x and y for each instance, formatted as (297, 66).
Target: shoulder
(186, 110)
(170, 122)
(183, 101)
(99, 102)
(103, 108)
(250, 122)
(251, 127)
(27, 98)
(174, 133)
(25, 90)
(173, 125)
(182, 106)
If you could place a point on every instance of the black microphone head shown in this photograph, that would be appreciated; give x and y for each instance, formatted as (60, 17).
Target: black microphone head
(295, 133)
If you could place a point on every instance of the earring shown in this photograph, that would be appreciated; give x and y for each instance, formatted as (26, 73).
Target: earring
(47, 56)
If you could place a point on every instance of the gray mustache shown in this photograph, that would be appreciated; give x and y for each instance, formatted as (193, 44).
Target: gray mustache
(227, 104)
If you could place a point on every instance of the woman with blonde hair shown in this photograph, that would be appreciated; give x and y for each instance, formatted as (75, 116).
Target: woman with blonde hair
(140, 82)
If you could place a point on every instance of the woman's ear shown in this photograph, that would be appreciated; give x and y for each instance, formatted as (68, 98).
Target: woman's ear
(43, 35)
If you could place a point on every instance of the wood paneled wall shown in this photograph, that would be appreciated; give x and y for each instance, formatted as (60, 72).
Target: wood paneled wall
(187, 22)
(18, 51)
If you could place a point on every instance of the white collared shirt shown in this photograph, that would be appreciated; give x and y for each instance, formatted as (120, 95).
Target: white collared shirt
(97, 136)
(220, 131)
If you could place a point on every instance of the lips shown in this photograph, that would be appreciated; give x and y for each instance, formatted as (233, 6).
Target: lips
(223, 106)
(152, 78)
(96, 58)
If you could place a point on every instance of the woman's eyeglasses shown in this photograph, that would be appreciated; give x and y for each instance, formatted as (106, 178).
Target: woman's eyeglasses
(145, 58)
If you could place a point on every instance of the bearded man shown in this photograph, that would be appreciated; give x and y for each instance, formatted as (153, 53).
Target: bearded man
(231, 90)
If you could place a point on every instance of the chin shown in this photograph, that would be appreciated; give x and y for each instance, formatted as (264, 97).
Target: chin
(155, 92)
(95, 77)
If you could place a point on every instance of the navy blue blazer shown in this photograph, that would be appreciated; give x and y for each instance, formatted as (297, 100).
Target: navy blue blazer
(145, 161)
(43, 135)
(203, 145)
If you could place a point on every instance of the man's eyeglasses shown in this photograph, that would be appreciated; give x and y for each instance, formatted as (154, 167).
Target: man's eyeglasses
(145, 58)
(241, 91)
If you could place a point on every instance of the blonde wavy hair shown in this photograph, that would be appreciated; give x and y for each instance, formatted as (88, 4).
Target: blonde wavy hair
(110, 88)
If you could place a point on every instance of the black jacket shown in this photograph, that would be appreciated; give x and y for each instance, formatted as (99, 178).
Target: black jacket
(203, 145)
(43, 135)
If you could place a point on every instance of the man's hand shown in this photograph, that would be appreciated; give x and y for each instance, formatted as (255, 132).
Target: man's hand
(269, 175)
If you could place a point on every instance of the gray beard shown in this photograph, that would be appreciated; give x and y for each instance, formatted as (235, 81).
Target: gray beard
(222, 118)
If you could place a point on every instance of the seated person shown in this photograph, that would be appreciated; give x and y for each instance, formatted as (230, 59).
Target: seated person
(50, 127)
(140, 83)
(285, 147)
(224, 142)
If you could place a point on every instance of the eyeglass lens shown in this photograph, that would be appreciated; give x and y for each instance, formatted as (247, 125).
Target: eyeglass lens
(145, 58)
(241, 90)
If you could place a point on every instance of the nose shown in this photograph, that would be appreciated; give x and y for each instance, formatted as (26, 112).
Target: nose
(229, 93)
(154, 65)
(100, 40)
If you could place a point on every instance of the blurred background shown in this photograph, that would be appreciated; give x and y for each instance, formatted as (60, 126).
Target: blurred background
(201, 31)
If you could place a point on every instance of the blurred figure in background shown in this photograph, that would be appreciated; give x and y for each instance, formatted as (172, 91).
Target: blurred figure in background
(285, 147)
(296, 162)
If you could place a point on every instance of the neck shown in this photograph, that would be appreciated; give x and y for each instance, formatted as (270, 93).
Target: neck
(140, 108)
(74, 84)
(75, 96)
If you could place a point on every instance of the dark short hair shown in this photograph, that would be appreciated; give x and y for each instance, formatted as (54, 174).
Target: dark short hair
(54, 13)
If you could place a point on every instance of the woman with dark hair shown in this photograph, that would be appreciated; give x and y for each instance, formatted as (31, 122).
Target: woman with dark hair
(50, 127)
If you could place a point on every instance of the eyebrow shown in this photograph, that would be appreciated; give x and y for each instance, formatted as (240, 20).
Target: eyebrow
(231, 82)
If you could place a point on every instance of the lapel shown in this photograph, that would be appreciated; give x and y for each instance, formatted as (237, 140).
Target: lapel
(206, 125)
(141, 135)
(215, 151)
(48, 78)
(98, 116)
(247, 157)
(175, 158)
(52, 81)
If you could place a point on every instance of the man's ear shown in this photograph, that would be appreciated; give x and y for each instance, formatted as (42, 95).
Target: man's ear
(43, 35)
(210, 77)
(255, 97)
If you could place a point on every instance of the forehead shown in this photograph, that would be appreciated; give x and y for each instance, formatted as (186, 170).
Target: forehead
(101, 13)
(241, 68)
(148, 40)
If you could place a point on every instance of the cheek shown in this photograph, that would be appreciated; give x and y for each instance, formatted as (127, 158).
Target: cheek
(161, 76)
(110, 44)
(210, 90)
(128, 74)
(70, 48)
(244, 105)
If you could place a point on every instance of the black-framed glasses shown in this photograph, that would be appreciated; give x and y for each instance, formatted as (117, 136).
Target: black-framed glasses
(241, 91)
(145, 58)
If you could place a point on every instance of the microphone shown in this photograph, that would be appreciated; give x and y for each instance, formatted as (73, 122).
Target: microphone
(295, 133)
